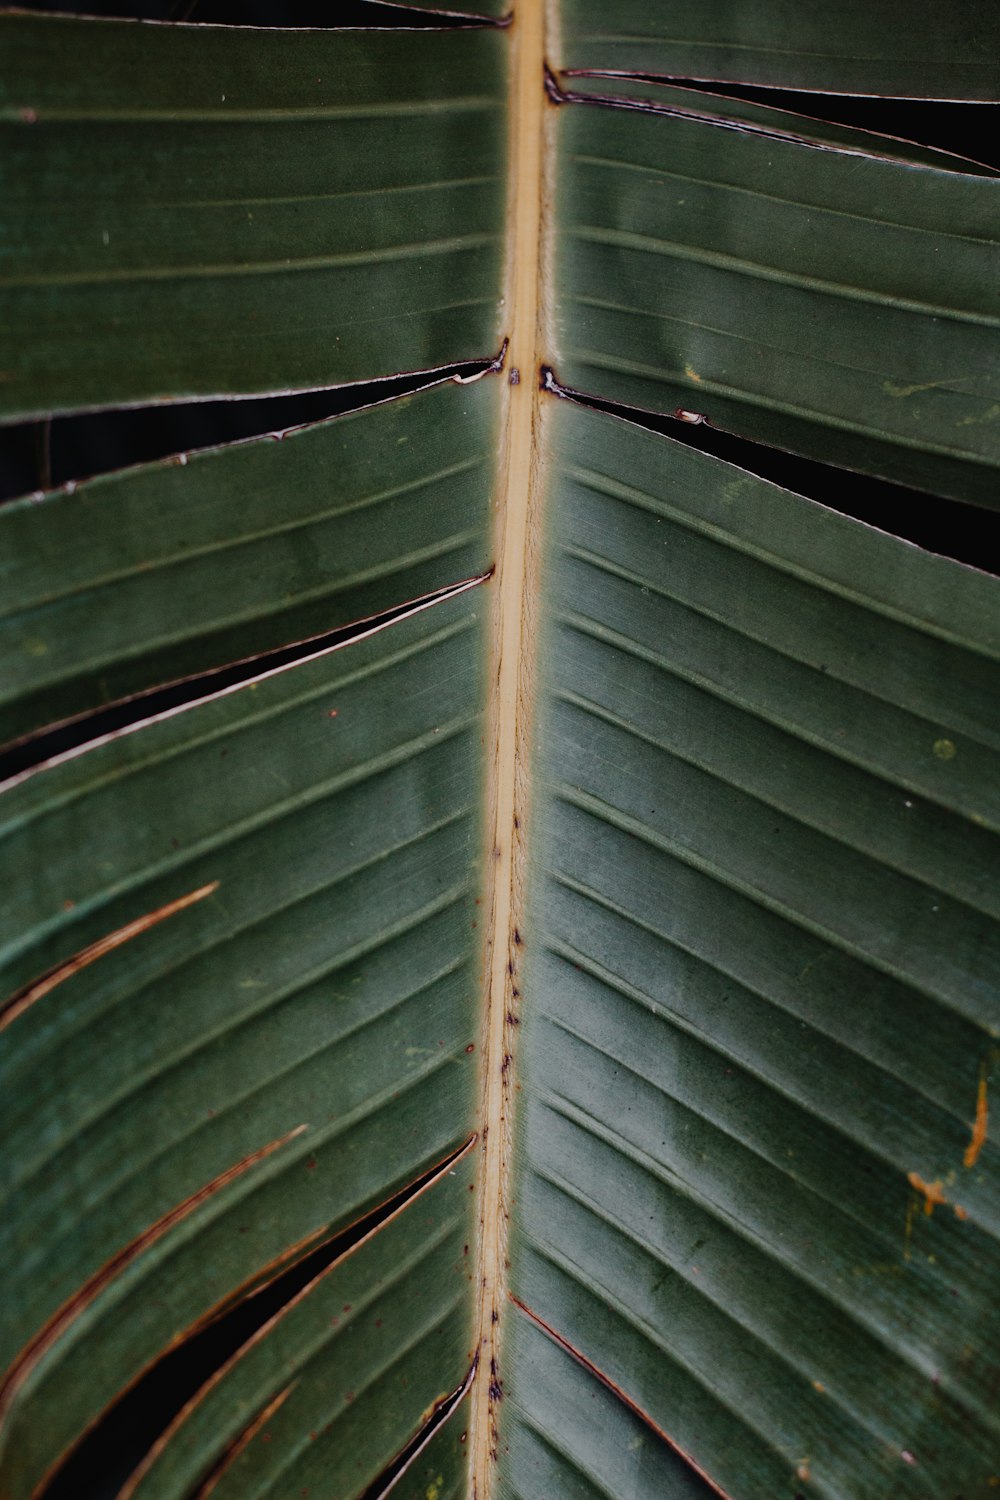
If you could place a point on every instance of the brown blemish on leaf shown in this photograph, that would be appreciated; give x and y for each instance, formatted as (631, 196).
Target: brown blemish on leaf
(26, 997)
(65, 1316)
(496, 1384)
(933, 1192)
(980, 1124)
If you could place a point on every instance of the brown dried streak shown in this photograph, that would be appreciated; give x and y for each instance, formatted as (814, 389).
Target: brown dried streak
(67, 1314)
(980, 1124)
(616, 1390)
(235, 1448)
(20, 1001)
(131, 1484)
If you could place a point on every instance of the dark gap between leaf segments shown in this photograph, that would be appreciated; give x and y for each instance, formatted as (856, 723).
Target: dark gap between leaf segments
(969, 130)
(950, 528)
(100, 1464)
(69, 449)
(298, 14)
(392, 1471)
(35, 750)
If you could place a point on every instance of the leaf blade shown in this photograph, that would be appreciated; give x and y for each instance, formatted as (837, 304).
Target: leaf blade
(908, 50)
(352, 934)
(165, 571)
(719, 1078)
(295, 233)
(790, 294)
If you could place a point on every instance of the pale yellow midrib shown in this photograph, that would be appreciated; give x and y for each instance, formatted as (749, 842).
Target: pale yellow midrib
(509, 713)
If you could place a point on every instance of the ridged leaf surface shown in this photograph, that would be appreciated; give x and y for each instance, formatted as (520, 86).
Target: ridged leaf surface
(573, 1089)
(143, 577)
(326, 979)
(909, 48)
(355, 1363)
(763, 976)
(197, 211)
(786, 290)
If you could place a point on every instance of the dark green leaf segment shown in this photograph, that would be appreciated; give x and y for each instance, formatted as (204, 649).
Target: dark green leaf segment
(911, 49)
(763, 982)
(199, 211)
(783, 279)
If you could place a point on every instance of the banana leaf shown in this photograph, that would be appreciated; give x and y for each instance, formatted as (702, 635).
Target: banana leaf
(499, 930)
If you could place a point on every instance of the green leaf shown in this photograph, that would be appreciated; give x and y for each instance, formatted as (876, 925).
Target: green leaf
(549, 1027)
(759, 119)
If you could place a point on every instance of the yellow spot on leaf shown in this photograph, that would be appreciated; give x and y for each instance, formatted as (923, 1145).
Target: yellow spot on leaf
(990, 415)
(980, 1123)
(691, 374)
(435, 1487)
(944, 749)
(891, 389)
